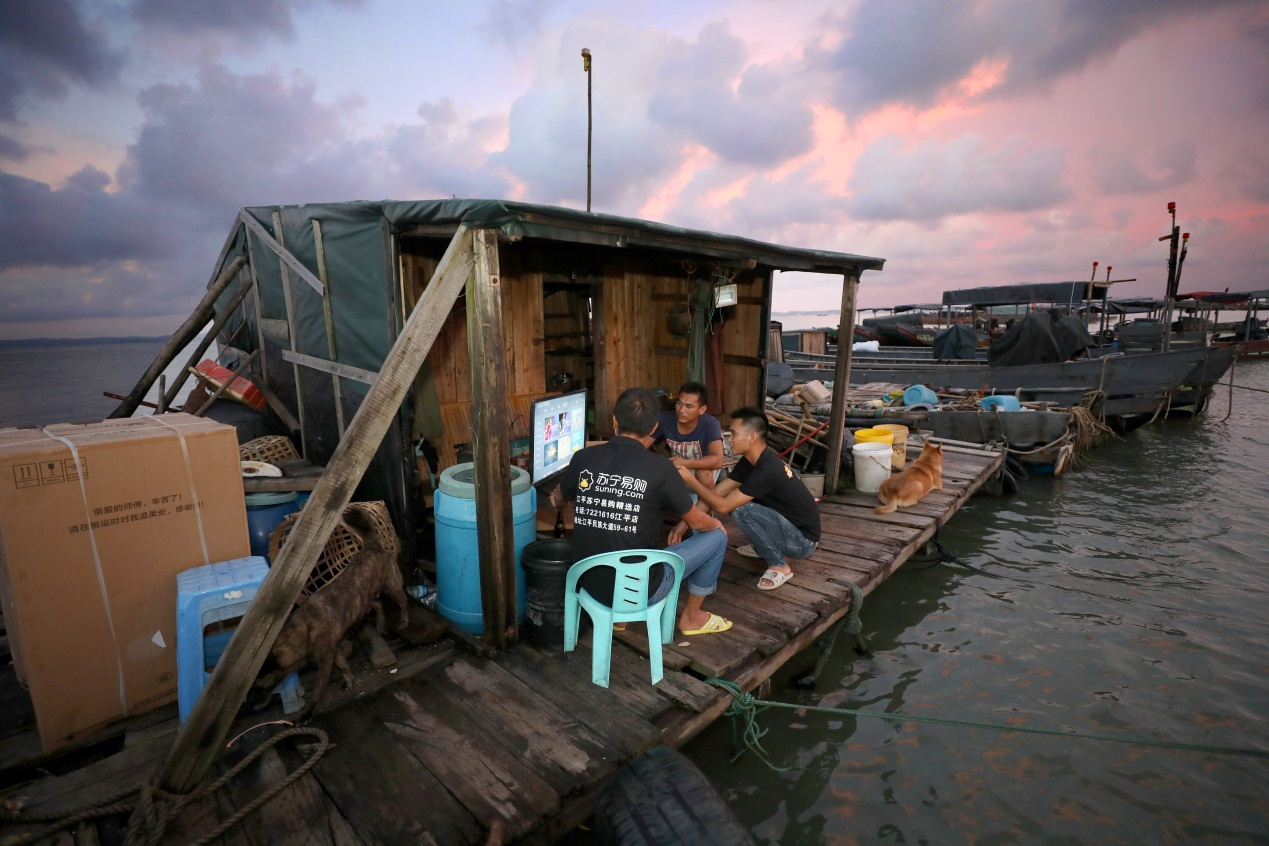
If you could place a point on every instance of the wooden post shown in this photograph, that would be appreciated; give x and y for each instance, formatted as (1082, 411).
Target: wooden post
(202, 737)
(336, 386)
(170, 395)
(604, 396)
(290, 327)
(202, 313)
(841, 382)
(492, 443)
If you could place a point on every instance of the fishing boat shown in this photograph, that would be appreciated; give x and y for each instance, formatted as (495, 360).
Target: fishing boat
(1043, 441)
(1134, 388)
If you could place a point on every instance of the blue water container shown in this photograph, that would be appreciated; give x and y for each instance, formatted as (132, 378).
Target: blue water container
(918, 394)
(265, 511)
(1001, 403)
(457, 548)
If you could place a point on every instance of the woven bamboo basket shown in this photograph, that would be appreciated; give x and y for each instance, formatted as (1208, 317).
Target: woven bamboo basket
(269, 448)
(342, 546)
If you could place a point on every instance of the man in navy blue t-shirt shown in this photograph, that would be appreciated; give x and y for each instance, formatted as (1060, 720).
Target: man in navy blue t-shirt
(621, 490)
(694, 436)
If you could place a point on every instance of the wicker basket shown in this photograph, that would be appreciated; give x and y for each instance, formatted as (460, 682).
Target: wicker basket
(270, 448)
(339, 549)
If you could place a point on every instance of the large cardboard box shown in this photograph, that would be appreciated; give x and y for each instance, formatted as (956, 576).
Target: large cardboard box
(96, 520)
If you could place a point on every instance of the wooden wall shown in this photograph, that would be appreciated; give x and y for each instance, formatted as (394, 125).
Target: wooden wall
(638, 349)
(522, 332)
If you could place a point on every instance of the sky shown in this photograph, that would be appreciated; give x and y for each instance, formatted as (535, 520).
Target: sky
(967, 143)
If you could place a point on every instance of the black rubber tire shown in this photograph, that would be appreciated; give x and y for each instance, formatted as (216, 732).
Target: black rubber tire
(662, 799)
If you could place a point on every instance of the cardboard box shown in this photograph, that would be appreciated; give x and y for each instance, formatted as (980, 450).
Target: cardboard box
(95, 522)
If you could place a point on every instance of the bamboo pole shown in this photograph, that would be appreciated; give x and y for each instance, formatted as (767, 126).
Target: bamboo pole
(201, 739)
(170, 395)
(182, 336)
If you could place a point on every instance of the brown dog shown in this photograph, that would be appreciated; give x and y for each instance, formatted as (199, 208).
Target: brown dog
(913, 482)
(313, 631)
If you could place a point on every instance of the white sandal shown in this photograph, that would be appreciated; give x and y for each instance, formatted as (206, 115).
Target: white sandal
(776, 577)
(748, 551)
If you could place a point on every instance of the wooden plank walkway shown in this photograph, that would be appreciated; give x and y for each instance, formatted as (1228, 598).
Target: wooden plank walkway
(453, 744)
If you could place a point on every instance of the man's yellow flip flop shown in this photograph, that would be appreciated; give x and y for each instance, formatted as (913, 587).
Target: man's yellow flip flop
(715, 624)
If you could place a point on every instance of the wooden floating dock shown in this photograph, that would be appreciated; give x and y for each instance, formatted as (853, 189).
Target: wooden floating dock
(446, 745)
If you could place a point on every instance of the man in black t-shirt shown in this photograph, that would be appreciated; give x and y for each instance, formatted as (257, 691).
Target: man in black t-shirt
(621, 489)
(766, 498)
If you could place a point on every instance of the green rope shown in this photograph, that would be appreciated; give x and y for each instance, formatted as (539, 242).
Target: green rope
(747, 706)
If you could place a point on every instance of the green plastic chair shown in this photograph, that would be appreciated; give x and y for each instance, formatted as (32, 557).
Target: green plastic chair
(630, 603)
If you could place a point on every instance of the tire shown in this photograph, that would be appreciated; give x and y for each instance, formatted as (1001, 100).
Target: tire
(662, 799)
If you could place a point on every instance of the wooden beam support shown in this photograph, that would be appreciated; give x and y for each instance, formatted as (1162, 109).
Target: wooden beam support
(841, 382)
(489, 427)
(276, 246)
(202, 737)
(182, 336)
(334, 368)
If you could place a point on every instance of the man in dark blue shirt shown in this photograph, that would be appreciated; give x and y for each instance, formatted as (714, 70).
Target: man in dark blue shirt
(694, 436)
(621, 490)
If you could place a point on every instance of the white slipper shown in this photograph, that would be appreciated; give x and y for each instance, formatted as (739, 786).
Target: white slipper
(748, 551)
(774, 576)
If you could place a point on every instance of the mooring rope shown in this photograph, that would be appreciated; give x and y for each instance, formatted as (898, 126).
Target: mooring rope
(746, 705)
(148, 822)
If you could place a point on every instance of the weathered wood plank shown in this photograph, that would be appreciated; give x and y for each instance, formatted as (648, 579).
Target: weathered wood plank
(482, 774)
(616, 718)
(563, 752)
(383, 790)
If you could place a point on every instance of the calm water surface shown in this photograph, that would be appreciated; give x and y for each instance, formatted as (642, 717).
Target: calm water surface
(64, 383)
(1127, 598)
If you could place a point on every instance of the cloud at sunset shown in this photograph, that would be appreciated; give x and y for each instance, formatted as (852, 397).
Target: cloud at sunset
(980, 143)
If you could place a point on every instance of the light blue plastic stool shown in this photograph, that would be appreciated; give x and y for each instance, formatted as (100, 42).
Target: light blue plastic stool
(210, 594)
(630, 603)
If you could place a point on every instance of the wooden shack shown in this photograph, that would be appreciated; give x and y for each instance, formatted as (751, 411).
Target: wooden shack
(587, 300)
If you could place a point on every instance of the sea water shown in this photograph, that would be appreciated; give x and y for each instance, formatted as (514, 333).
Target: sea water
(1127, 598)
(64, 383)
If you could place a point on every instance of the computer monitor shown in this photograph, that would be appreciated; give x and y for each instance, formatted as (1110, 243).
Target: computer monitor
(559, 430)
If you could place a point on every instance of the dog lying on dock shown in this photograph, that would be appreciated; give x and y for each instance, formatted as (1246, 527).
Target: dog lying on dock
(313, 630)
(914, 481)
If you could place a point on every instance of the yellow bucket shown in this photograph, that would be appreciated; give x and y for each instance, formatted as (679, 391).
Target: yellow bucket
(900, 443)
(875, 435)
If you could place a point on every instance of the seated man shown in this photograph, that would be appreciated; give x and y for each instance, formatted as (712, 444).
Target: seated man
(620, 489)
(695, 438)
(768, 501)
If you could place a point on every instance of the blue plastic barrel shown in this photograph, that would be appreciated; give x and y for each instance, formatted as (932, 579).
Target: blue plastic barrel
(264, 512)
(457, 547)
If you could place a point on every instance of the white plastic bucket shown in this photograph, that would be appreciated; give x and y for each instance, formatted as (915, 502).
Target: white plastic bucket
(872, 466)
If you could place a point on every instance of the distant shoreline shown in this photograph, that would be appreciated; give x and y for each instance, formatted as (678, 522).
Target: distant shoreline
(67, 342)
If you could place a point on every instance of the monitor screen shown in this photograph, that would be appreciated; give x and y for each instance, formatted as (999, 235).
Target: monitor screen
(559, 430)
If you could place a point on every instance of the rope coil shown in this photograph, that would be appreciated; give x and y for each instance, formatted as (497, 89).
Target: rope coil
(155, 808)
